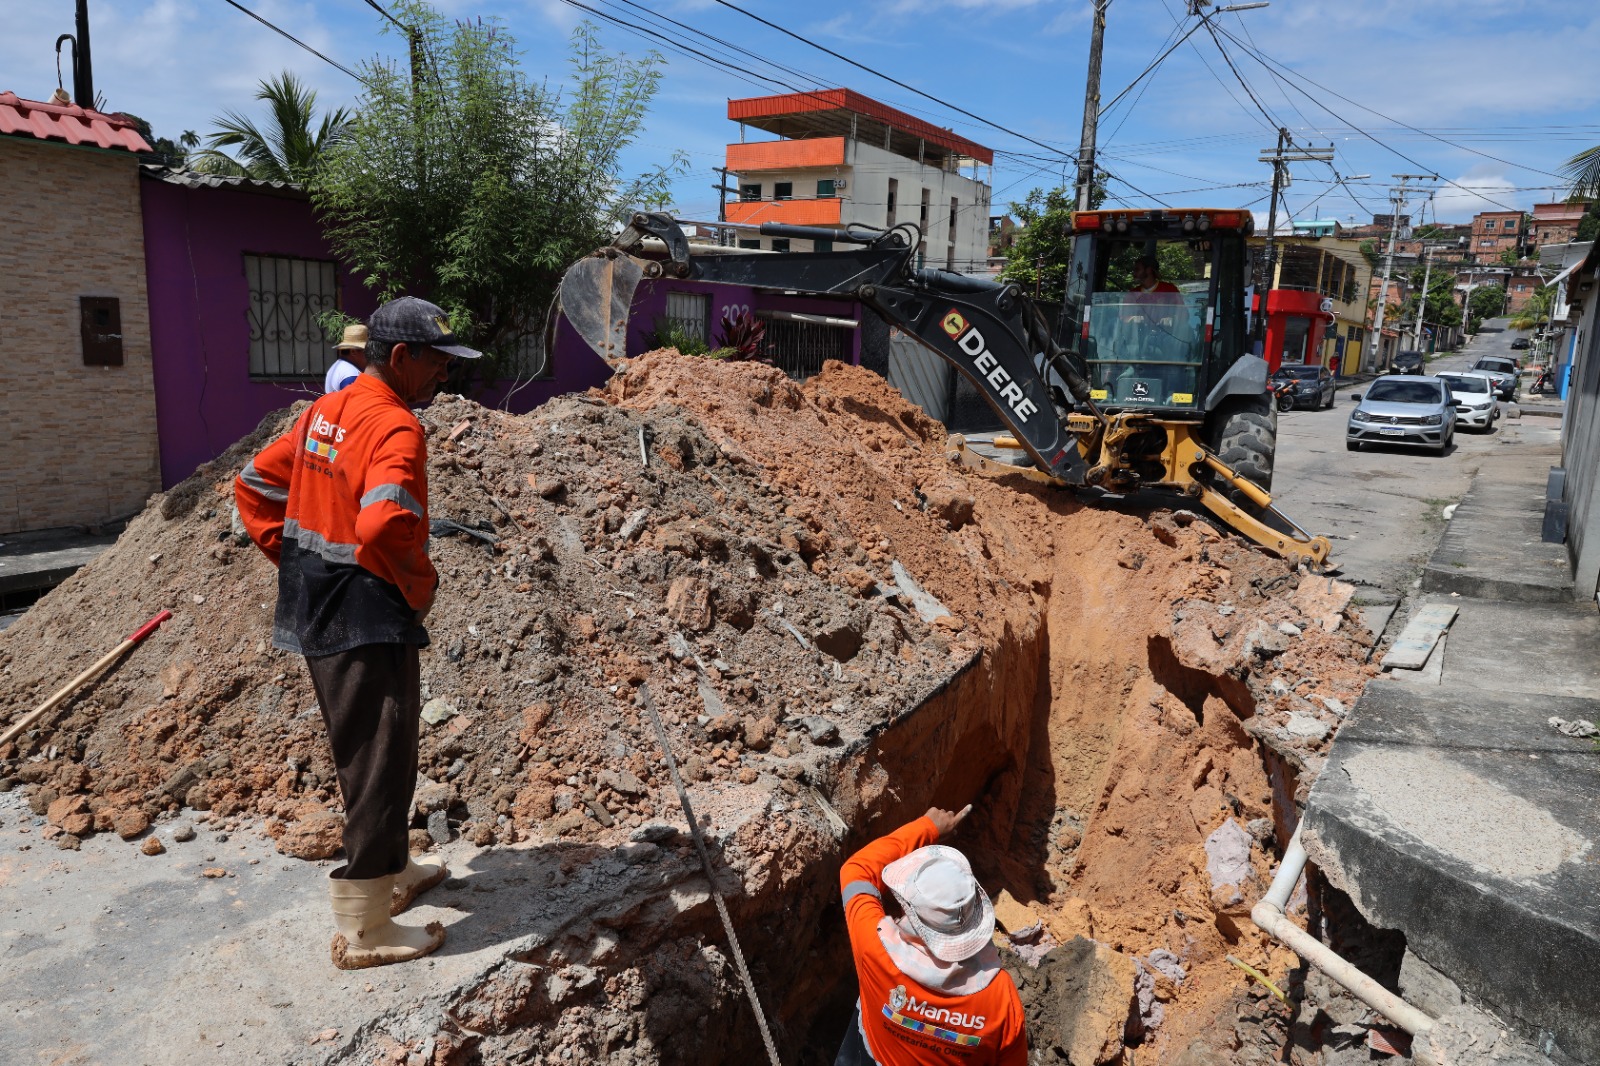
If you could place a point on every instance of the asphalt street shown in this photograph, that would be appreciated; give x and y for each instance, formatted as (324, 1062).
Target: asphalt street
(1383, 506)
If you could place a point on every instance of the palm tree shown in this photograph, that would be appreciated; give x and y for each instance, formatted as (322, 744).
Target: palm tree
(1584, 170)
(286, 149)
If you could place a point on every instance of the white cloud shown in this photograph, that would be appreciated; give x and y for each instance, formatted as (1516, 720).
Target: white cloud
(1473, 192)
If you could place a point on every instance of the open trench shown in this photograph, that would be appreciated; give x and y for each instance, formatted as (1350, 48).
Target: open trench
(1131, 700)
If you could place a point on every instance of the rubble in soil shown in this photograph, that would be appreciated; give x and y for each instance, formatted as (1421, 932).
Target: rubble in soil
(792, 571)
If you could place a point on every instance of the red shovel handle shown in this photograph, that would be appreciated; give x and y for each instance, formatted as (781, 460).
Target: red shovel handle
(149, 627)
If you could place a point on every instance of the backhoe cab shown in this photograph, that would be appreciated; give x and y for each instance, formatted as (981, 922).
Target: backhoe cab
(1147, 386)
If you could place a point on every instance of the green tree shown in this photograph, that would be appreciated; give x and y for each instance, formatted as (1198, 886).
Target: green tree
(286, 148)
(1441, 308)
(1584, 170)
(164, 151)
(1589, 225)
(1536, 312)
(477, 187)
(1369, 252)
(1037, 260)
(1487, 301)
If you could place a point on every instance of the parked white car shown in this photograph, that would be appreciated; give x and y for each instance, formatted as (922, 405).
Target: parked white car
(1477, 407)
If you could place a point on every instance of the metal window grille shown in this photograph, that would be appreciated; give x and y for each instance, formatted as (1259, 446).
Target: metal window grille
(528, 360)
(286, 296)
(690, 312)
(800, 348)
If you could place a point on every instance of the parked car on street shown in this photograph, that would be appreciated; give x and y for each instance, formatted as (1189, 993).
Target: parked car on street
(1311, 386)
(1507, 376)
(1521, 344)
(1409, 361)
(1403, 409)
(1475, 401)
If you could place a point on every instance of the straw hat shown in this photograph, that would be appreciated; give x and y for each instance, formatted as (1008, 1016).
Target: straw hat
(355, 337)
(943, 901)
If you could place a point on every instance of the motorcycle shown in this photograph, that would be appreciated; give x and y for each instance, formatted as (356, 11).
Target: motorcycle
(1546, 381)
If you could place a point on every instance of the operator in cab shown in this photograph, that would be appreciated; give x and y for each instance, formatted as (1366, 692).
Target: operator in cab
(1149, 291)
(932, 990)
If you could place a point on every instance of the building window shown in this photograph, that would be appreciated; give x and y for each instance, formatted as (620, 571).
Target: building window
(286, 296)
(750, 192)
(783, 190)
(825, 188)
(926, 202)
(894, 194)
(1487, 242)
(954, 207)
(1488, 223)
(746, 243)
(691, 313)
(100, 321)
(780, 244)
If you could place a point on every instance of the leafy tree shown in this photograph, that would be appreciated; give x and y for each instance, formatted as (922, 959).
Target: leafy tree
(1038, 259)
(1589, 225)
(477, 187)
(1584, 170)
(1508, 257)
(164, 151)
(286, 149)
(1369, 252)
(1487, 301)
(1536, 312)
(1441, 308)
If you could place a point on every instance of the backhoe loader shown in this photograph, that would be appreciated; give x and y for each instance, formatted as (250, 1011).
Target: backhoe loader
(1134, 387)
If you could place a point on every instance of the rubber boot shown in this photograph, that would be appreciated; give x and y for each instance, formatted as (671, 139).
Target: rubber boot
(367, 936)
(416, 879)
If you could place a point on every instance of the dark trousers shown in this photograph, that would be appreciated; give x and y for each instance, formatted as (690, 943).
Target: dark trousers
(853, 1051)
(371, 699)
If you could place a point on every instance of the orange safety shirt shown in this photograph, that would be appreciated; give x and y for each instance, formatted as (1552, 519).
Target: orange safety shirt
(340, 503)
(906, 1024)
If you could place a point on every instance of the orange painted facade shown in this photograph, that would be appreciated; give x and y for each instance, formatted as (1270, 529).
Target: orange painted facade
(794, 212)
(786, 155)
(752, 109)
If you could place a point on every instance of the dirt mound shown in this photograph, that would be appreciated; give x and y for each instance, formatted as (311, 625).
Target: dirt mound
(817, 599)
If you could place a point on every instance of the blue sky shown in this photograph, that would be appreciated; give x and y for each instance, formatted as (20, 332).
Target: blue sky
(1511, 83)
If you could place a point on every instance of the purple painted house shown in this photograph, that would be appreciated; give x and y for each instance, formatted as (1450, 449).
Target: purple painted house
(238, 271)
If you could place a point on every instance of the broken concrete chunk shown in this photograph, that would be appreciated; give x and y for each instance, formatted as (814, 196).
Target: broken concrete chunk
(653, 833)
(819, 729)
(634, 524)
(439, 827)
(1228, 862)
(923, 602)
(1305, 727)
(438, 710)
(622, 782)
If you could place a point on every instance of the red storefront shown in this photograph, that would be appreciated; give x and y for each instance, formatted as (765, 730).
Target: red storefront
(1296, 326)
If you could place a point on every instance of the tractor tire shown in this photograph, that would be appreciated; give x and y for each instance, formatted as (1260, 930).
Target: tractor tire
(1244, 434)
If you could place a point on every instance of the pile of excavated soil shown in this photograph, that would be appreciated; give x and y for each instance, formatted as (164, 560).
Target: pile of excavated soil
(791, 570)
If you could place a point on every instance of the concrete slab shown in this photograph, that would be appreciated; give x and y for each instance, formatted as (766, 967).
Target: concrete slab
(1550, 649)
(115, 958)
(1461, 818)
(45, 558)
(1493, 547)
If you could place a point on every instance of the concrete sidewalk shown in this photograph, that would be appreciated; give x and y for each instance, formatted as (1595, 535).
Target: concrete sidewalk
(1452, 810)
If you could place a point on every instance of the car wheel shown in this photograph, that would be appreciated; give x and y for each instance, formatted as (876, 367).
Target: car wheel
(1352, 445)
(1333, 394)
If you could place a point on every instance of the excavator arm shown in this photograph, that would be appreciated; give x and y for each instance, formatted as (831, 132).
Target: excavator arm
(990, 332)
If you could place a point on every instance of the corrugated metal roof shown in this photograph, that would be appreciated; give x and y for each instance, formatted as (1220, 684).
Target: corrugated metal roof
(193, 179)
(69, 123)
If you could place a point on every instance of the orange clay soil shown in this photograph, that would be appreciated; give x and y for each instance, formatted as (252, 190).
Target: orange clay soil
(1101, 684)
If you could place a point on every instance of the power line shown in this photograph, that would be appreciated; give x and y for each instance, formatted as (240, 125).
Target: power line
(887, 78)
(379, 9)
(296, 40)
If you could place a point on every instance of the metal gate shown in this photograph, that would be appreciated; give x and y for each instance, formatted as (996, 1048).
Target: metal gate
(921, 376)
(800, 348)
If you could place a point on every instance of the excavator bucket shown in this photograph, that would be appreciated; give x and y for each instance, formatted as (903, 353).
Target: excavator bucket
(596, 296)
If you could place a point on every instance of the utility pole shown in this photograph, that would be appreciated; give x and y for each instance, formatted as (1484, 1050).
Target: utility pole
(83, 67)
(1422, 301)
(1397, 199)
(1280, 157)
(1091, 106)
(722, 200)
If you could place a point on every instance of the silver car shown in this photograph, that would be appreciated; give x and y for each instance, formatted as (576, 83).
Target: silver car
(1403, 409)
(1505, 374)
(1476, 405)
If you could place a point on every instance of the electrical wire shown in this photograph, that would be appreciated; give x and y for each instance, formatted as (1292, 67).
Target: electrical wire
(379, 9)
(296, 40)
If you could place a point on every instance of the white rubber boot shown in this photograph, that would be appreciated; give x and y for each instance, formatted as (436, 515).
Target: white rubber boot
(367, 936)
(416, 879)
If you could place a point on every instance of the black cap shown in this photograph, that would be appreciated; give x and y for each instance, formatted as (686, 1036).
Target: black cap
(415, 321)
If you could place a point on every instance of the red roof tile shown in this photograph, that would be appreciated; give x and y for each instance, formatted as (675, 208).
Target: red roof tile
(69, 123)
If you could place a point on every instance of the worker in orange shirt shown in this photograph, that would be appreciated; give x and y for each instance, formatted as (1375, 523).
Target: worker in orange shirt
(932, 990)
(340, 504)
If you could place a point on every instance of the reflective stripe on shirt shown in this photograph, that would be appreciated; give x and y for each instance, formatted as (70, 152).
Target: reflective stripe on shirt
(312, 541)
(252, 477)
(394, 494)
(861, 888)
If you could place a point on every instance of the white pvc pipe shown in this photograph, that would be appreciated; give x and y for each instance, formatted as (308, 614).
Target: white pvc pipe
(1270, 919)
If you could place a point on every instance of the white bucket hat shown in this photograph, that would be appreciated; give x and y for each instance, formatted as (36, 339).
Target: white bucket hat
(943, 901)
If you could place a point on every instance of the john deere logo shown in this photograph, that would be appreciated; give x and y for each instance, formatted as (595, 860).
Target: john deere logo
(1141, 391)
(954, 324)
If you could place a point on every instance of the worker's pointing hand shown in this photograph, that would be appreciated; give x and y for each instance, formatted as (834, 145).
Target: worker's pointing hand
(946, 821)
